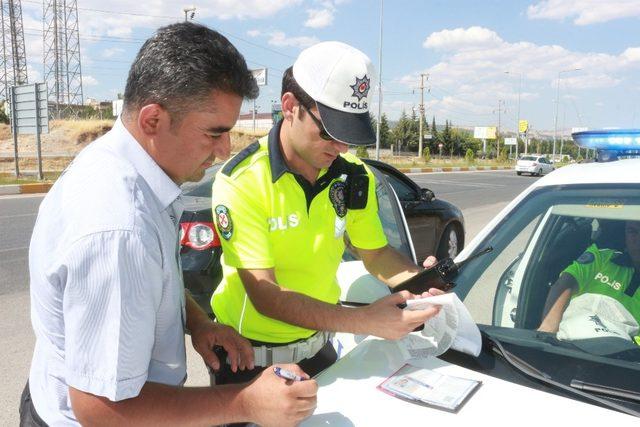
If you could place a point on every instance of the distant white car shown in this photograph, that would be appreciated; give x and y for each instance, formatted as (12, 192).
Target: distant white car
(534, 165)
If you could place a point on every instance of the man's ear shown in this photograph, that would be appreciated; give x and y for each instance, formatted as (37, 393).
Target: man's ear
(289, 105)
(151, 118)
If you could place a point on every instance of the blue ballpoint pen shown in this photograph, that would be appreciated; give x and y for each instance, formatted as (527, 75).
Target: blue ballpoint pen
(287, 375)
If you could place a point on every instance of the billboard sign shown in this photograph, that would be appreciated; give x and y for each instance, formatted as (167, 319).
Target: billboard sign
(260, 74)
(510, 141)
(30, 108)
(523, 126)
(484, 132)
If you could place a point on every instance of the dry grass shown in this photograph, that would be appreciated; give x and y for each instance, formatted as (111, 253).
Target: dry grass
(5, 131)
(66, 138)
(82, 132)
(240, 139)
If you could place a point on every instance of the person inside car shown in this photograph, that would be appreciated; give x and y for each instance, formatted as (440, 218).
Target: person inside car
(598, 293)
(282, 207)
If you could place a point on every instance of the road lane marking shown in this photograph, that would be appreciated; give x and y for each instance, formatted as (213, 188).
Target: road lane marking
(465, 184)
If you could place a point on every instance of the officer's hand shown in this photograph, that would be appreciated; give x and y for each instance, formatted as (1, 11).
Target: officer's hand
(430, 261)
(385, 320)
(275, 401)
(209, 334)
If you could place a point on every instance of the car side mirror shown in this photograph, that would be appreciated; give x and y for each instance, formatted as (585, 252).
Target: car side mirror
(426, 195)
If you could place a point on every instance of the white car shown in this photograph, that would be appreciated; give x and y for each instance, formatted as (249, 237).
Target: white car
(534, 165)
(528, 376)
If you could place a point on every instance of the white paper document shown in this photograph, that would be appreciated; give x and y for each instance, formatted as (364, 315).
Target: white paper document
(453, 328)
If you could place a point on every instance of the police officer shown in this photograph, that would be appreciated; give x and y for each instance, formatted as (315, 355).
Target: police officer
(284, 206)
(604, 272)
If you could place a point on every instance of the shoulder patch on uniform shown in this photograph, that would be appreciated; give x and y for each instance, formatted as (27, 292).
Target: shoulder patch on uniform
(223, 220)
(586, 258)
(243, 154)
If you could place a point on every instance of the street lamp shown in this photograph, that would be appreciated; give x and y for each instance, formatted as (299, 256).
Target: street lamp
(555, 122)
(379, 84)
(518, 116)
(186, 10)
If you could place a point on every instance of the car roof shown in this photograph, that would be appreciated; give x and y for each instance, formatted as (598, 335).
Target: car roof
(619, 171)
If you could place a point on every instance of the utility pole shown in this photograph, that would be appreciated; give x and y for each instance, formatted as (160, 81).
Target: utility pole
(518, 117)
(422, 76)
(14, 59)
(555, 121)
(500, 107)
(62, 65)
(379, 84)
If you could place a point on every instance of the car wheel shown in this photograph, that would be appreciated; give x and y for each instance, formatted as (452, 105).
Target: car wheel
(518, 173)
(539, 172)
(450, 243)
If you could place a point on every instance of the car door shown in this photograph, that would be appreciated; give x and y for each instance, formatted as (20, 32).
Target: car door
(546, 165)
(356, 284)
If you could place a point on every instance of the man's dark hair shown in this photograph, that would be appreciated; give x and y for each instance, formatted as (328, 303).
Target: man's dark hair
(180, 65)
(289, 84)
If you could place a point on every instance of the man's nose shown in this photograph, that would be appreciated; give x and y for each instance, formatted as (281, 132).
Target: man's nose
(222, 147)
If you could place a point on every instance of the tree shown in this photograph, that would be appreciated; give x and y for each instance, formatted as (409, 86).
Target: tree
(3, 115)
(435, 137)
(414, 130)
(402, 132)
(385, 132)
(362, 152)
(469, 156)
(447, 138)
(426, 154)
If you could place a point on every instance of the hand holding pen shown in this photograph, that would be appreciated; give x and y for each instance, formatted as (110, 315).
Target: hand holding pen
(274, 402)
(287, 375)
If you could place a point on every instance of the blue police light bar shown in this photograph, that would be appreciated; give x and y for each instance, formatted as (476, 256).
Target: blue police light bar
(608, 139)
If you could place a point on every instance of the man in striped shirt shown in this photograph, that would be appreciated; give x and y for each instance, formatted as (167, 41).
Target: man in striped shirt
(108, 304)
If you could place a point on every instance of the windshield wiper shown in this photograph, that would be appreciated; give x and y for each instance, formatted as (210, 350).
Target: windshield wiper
(537, 374)
(607, 390)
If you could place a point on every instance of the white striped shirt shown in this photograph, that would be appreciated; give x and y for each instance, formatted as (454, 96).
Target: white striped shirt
(107, 298)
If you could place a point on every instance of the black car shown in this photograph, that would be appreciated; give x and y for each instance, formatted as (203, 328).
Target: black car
(436, 226)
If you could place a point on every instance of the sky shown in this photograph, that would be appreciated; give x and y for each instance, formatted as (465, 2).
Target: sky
(479, 56)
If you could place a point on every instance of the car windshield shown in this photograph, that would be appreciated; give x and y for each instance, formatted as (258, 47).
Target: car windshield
(586, 233)
(529, 158)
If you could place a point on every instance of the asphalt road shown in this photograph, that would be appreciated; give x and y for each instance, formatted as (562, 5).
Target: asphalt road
(480, 195)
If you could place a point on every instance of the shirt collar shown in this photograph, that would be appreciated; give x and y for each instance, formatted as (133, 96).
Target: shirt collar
(276, 158)
(124, 144)
(622, 259)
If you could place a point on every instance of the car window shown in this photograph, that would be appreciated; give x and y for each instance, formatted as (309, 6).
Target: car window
(202, 189)
(403, 191)
(390, 217)
(554, 228)
(529, 158)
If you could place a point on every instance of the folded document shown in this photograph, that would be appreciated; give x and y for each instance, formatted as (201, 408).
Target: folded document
(452, 328)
